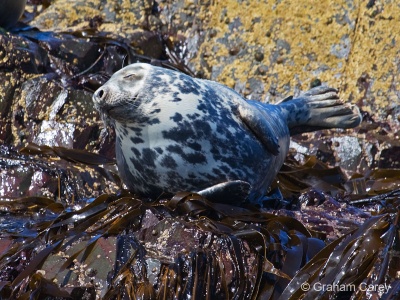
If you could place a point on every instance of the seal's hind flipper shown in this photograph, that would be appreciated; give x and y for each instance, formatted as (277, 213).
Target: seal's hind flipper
(261, 127)
(319, 108)
(230, 192)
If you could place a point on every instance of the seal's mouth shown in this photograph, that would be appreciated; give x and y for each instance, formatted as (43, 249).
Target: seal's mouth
(119, 111)
(111, 110)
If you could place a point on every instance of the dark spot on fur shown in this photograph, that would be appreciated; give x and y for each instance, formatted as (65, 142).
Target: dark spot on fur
(149, 157)
(202, 107)
(136, 152)
(193, 116)
(136, 140)
(203, 127)
(138, 166)
(177, 117)
(136, 130)
(155, 111)
(124, 131)
(175, 97)
(193, 158)
(188, 85)
(179, 133)
(159, 150)
(225, 169)
(168, 162)
(194, 146)
(175, 149)
(154, 121)
(218, 172)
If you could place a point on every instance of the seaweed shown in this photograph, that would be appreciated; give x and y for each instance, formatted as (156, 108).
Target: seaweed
(237, 253)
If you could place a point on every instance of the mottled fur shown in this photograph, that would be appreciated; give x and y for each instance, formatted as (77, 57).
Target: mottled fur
(177, 133)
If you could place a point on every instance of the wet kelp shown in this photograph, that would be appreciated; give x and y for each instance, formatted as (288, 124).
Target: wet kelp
(120, 247)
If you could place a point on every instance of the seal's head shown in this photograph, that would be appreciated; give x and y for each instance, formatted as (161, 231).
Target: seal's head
(121, 97)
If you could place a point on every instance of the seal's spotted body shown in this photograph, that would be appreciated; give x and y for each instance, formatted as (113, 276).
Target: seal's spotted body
(176, 133)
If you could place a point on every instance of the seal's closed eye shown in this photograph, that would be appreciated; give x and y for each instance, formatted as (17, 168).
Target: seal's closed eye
(132, 76)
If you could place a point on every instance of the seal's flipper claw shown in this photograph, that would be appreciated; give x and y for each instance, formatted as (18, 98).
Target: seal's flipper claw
(230, 192)
(319, 90)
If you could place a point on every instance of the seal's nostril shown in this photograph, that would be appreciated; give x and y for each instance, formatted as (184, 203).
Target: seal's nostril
(100, 94)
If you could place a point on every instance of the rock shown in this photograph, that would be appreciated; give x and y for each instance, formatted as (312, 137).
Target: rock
(348, 151)
(23, 175)
(389, 158)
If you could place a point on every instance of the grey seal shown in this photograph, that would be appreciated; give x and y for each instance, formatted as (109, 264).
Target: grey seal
(11, 11)
(178, 133)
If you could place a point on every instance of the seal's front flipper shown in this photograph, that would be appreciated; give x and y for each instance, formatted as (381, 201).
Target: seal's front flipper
(256, 121)
(230, 192)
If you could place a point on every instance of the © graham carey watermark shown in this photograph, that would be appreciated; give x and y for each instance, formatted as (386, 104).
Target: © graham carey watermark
(364, 287)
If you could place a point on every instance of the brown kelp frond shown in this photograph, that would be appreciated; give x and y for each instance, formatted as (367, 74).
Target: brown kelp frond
(117, 246)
